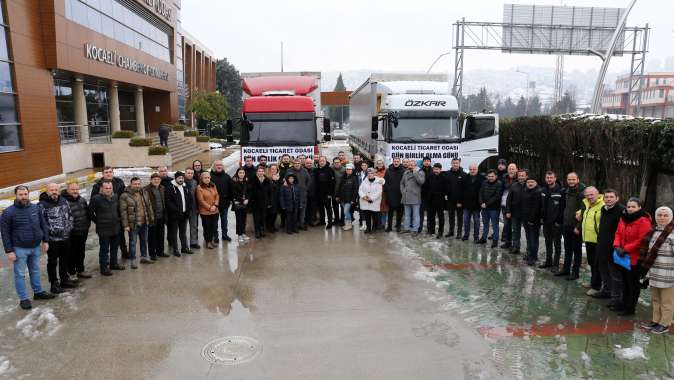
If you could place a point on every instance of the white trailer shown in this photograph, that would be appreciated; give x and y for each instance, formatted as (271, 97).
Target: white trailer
(413, 116)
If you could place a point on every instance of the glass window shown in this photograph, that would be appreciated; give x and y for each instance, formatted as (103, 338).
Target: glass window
(69, 12)
(9, 138)
(106, 7)
(7, 109)
(94, 20)
(6, 77)
(79, 11)
(108, 27)
(4, 53)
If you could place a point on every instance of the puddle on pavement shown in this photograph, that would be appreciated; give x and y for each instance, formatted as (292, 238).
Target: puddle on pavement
(538, 326)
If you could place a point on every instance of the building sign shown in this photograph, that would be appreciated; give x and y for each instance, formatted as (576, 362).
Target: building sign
(161, 7)
(442, 153)
(274, 153)
(113, 58)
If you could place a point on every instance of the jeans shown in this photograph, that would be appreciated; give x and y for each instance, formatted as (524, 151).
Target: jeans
(194, 228)
(455, 215)
(30, 258)
(107, 253)
(240, 221)
(155, 238)
(411, 218)
(210, 226)
(224, 209)
(573, 250)
(78, 245)
(399, 216)
(139, 231)
(533, 232)
(490, 217)
(178, 228)
(467, 216)
(516, 231)
(553, 240)
(595, 279)
(58, 256)
(507, 234)
(423, 210)
(348, 214)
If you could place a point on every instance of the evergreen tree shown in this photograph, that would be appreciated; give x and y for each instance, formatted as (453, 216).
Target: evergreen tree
(521, 107)
(566, 105)
(228, 83)
(535, 106)
(339, 114)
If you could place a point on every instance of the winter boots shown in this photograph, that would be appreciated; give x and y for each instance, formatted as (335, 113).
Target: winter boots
(347, 226)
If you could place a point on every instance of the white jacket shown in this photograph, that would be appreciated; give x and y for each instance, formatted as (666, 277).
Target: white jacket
(372, 189)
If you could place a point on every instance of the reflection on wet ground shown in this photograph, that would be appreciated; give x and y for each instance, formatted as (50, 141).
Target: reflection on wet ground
(538, 325)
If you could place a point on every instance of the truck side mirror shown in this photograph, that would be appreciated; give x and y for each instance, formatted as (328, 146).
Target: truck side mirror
(393, 119)
(326, 125)
(229, 130)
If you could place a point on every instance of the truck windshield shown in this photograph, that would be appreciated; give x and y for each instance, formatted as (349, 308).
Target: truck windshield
(425, 126)
(276, 128)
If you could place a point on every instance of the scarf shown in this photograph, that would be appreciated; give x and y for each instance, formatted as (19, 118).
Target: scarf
(629, 218)
(647, 256)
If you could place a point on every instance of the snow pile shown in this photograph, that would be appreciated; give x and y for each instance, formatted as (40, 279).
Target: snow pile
(213, 146)
(5, 366)
(630, 353)
(40, 321)
(70, 299)
(435, 246)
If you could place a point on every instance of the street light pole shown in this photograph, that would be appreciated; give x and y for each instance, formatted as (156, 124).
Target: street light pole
(436, 61)
(526, 101)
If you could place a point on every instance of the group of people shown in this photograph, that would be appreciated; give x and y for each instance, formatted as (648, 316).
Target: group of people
(298, 192)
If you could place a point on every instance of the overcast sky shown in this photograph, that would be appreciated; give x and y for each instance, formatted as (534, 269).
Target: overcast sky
(392, 35)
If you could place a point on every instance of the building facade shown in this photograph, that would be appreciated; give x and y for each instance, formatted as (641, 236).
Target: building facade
(657, 96)
(72, 72)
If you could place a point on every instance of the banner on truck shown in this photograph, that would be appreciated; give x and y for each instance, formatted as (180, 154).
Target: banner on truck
(442, 153)
(274, 153)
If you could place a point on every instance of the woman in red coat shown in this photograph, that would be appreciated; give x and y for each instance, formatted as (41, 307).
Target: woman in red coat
(635, 224)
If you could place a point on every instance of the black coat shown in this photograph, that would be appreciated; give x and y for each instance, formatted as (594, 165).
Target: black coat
(607, 228)
(530, 208)
(348, 189)
(515, 199)
(174, 202)
(436, 191)
(290, 198)
(470, 191)
(428, 171)
(490, 193)
(552, 211)
(325, 181)
(118, 186)
(274, 202)
(455, 185)
(250, 172)
(223, 183)
(240, 191)
(392, 179)
(260, 194)
(80, 211)
(104, 211)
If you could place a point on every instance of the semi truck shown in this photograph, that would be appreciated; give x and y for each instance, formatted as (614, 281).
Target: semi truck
(279, 117)
(412, 116)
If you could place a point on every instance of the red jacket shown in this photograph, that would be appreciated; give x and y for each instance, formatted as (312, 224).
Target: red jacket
(628, 236)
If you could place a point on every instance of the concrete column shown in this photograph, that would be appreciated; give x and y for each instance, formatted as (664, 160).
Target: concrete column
(80, 107)
(113, 103)
(140, 113)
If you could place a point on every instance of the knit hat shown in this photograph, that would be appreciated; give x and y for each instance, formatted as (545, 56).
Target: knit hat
(349, 166)
(502, 162)
(179, 174)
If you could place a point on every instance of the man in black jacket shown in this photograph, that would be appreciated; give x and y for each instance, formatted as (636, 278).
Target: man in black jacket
(78, 236)
(223, 183)
(392, 179)
(428, 171)
(552, 215)
(118, 187)
(455, 177)
(470, 202)
(104, 211)
(530, 210)
(514, 207)
(325, 190)
(573, 246)
(248, 167)
(179, 204)
(312, 203)
(490, 202)
(59, 223)
(436, 193)
(611, 277)
(155, 193)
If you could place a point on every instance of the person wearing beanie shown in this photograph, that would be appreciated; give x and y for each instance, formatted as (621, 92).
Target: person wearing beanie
(501, 168)
(427, 169)
(178, 207)
(530, 210)
(347, 195)
(370, 193)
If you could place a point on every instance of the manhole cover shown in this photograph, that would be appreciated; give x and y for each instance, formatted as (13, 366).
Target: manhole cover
(231, 350)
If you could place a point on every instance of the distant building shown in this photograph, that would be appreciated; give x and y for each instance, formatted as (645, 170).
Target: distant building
(657, 96)
(72, 72)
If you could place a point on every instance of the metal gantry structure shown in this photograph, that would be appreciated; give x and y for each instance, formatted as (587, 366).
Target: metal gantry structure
(560, 31)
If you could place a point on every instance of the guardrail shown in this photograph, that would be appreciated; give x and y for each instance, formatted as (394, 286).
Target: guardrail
(69, 133)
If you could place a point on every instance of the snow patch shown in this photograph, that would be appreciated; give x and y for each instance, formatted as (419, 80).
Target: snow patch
(5, 366)
(630, 353)
(586, 359)
(40, 321)
(435, 246)
(70, 299)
